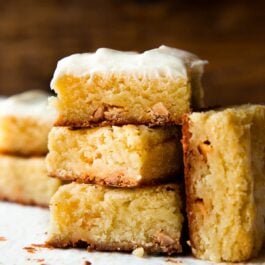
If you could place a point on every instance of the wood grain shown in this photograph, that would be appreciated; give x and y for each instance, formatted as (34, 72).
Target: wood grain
(229, 34)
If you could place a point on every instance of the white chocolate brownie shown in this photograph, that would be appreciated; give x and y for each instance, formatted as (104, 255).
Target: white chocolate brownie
(117, 219)
(224, 154)
(111, 87)
(25, 123)
(126, 156)
(25, 180)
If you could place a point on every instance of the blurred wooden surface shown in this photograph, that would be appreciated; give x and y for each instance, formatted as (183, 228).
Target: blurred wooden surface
(229, 34)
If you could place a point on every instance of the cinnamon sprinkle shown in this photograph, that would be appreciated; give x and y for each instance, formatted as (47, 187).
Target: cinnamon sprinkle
(39, 260)
(42, 246)
(30, 249)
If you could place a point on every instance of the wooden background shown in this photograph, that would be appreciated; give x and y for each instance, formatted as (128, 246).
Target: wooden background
(229, 34)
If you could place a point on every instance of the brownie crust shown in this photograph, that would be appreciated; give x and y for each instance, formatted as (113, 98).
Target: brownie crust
(23, 202)
(186, 135)
(117, 180)
(117, 121)
(164, 246)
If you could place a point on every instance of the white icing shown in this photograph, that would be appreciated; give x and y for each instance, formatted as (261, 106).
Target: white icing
(33, 103)
(161, 61)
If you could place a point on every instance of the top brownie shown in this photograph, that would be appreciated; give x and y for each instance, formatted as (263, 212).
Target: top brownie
(111, 87)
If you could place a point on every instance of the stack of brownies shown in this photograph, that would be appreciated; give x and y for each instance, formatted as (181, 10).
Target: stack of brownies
(117, 139)
(131, 156)
(24, 127)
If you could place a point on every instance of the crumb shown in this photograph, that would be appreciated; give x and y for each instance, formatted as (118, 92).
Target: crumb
(138, 252)
(174, 261)
(2, 238)
(30, 249)
(188, 243)
(86, 262)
